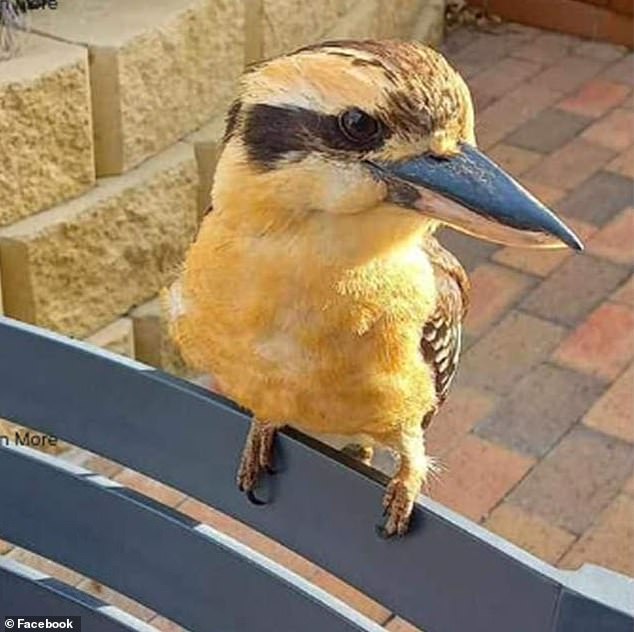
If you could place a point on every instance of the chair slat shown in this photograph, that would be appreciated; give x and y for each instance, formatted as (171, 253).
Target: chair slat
(579, 614)
(163, 559)
(24, 592)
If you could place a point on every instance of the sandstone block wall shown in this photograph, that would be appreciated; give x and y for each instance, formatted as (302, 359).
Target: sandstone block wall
(78, 266)
(111, 119)
(207, 143)
(46, 143)
(159, 69)
(117, 337)
(289, 24)
(152, 343)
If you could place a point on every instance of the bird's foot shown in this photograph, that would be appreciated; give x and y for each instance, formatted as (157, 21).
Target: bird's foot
(363, 453)
(257, 457)
(398, 503)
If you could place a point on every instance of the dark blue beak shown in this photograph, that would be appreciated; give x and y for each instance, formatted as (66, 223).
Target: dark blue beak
(476, 195)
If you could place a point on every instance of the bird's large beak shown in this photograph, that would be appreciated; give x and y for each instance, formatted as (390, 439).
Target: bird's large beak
(471, 193)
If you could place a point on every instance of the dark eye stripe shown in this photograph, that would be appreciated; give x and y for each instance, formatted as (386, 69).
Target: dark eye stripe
(273, 132)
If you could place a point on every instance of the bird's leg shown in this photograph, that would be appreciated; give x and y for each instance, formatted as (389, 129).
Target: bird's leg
(402, 490)
(363, 453)
(257, 456)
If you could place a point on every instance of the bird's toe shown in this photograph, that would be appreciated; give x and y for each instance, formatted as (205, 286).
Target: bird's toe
(382, 532)
(398, 503)
(257, 457)
(363, 453)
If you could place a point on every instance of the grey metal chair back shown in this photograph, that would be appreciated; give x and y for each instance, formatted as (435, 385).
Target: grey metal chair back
(447, 575)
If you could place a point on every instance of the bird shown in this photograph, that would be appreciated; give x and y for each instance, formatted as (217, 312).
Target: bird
(315, 292)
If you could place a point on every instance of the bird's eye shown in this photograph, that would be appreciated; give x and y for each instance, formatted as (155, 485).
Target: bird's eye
(359, 126)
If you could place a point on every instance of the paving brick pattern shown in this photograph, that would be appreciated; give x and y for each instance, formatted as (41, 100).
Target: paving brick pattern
(576, 287)
(576, 480)
(540, 409)
(615, 240)
(536, 439)
(625, 294)
(548, 131)
(549, 364)
(599, 198)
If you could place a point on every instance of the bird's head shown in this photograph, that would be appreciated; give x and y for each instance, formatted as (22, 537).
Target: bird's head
(381, 132)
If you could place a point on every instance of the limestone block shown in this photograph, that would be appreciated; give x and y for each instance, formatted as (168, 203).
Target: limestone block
(361, 22)
(253, 31)
(392, 19)
(80, 265)
(117, 337)
(289, 24)
(46, 148)
(430, 25)
(159, 70)
(397, 17)
(152, 343)
(207, 142)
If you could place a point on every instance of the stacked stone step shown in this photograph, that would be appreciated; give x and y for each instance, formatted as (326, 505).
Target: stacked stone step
(110, 120)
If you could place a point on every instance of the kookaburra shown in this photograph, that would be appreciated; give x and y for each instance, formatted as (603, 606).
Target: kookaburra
(316, 293)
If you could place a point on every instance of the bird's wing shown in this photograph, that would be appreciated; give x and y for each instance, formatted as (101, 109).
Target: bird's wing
(441, 335)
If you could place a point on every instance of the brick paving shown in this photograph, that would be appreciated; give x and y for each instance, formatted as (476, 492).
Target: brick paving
(515, 346)
(625, 294)
(602, 345)
(576, 480)
(558, 299)
(536, 439)
(599, 198)
(549, 364)
(538, 443)
(528, 530)
(477, 474)
(558, 397)
(494, 289)
(614, 241)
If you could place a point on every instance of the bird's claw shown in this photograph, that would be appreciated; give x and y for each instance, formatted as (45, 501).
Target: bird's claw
(398, 503)
(253, 499)
(362, 453)
(256, 459)
(381, 531)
